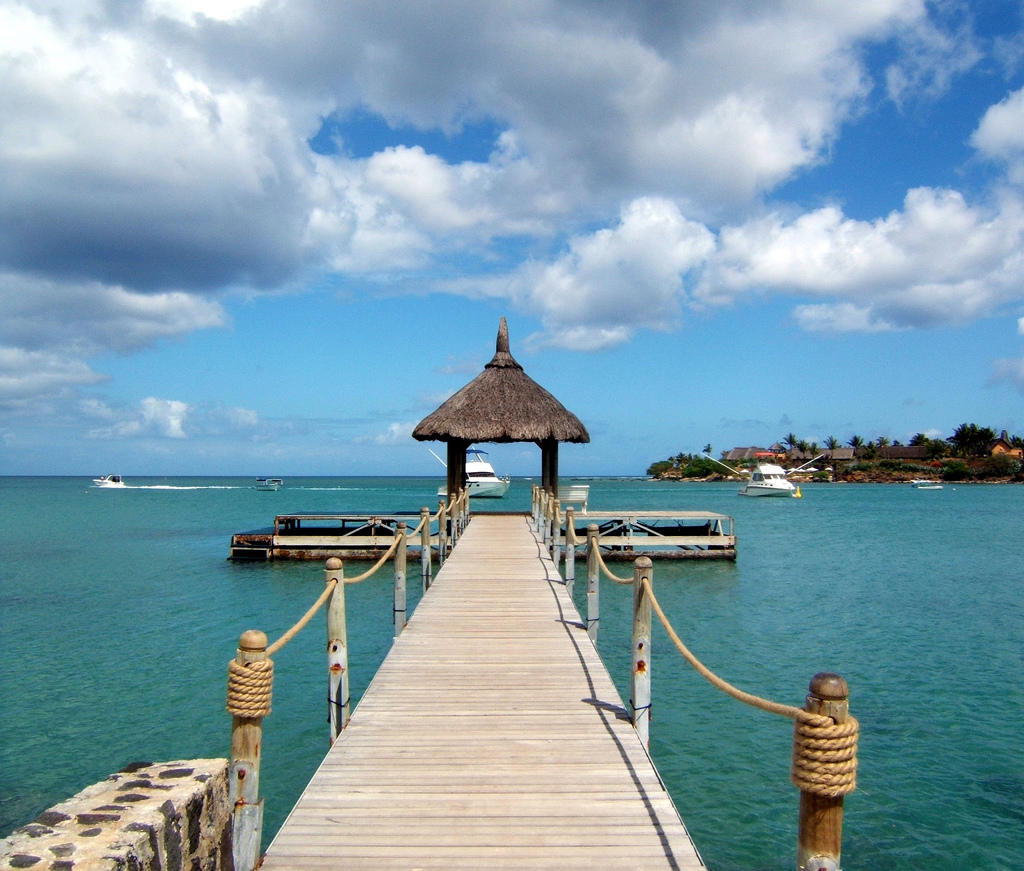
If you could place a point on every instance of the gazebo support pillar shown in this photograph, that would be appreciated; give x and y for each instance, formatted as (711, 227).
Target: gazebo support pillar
(456, 465)
(549, 465)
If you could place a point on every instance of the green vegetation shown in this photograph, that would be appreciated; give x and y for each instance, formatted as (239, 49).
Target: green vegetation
(968, 454)
(685, 466)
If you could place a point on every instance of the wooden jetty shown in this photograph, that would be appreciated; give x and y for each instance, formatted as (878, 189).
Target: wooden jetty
(491, 737)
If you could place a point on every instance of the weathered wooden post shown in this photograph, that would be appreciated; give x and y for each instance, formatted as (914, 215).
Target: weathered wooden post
(425, 567)
(401, 557)
(593, 583)
(535, 507)
(820, 834)
(640, 688)
(250, 684)
(442, 533)
(338, 701)
(570, 549)
(556, 532)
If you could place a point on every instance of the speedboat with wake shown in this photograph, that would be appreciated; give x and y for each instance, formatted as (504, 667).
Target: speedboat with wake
(108, 481)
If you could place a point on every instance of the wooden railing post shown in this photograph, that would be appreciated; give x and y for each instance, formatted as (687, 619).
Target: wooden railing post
(442, 534)
(570, 550)
(535, 507)
(401, 557)
(425, 567)
(820, 834)
(640, 688)
(593, 583)
(338, 702)
(244, 769)
(556, 532)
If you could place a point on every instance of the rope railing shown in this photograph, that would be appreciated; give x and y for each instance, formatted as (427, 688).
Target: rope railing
(824, 759)
(824, 752)
(251, 673)
(369, 573)
(608, 572)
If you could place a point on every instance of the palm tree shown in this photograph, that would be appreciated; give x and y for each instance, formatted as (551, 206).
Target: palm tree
(831, 443)
(855, 442)
(707, 449)
(919, 440)
(790, 441)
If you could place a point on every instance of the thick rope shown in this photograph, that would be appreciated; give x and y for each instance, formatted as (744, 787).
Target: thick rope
(380, 562)
(608, 572)
(250, 686)
(825, 757)
(824, 752)
(297, 628)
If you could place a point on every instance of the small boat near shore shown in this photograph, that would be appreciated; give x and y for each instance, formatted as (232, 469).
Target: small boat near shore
(768, 480)
(108, 481)
(924, 484)
(269, 483)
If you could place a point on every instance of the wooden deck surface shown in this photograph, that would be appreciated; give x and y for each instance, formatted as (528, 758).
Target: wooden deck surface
(491, 737)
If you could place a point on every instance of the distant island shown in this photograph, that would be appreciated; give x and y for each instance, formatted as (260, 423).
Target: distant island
(971, 453)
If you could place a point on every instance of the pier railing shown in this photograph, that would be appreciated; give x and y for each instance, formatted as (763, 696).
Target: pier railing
(251, 672)
(824, 762)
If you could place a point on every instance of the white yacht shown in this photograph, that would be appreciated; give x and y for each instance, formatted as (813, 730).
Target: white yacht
(480, 478)
(108, 481)
(269, 483)
(923, 484)
(768, 480)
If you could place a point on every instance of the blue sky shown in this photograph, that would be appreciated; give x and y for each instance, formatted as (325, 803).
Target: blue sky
(244, 237)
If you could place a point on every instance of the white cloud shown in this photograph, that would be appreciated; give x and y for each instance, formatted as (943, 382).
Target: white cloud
(30, 376)
(616, 280)
(938, 261)
(165, 416)
(395, 434)
(90, 318)
(1009, 371)
(190, 11)
(932, 53)
(1000, 135)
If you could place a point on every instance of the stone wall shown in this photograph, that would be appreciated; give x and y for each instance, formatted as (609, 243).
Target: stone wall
(165, 816)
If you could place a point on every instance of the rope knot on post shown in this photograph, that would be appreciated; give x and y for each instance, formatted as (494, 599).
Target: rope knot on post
(824, 755)
(250, 687)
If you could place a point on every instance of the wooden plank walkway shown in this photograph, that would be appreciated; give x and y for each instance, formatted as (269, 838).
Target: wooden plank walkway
(491, 737)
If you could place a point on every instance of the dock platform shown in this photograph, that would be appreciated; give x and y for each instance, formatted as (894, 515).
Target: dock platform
(661, 534)
(319, 536)
(492, 737)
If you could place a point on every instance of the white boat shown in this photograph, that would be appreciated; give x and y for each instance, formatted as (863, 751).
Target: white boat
(269, 483)
(108, 481)
(481, 480)
(768, 480)
(923, 484)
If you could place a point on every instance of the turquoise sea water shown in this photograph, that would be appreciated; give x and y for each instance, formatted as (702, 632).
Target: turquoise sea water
(119, 612)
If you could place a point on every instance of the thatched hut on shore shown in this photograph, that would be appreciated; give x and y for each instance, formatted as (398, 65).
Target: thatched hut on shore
(502, 404)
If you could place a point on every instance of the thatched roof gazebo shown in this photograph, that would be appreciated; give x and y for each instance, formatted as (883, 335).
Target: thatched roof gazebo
(502, 404)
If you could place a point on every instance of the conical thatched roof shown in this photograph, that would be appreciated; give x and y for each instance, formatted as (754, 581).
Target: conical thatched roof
(502, 404)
